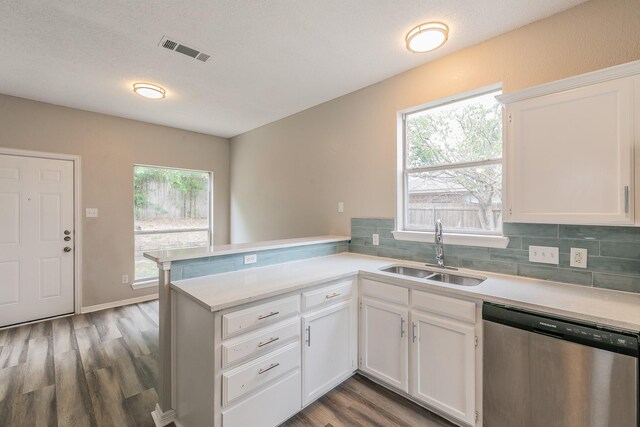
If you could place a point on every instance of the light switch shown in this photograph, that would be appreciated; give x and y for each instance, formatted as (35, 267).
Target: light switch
(544, 254)
(92, 212)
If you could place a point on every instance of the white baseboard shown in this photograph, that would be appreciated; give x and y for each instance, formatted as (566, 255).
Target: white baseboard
(120, 303)
(161, 419)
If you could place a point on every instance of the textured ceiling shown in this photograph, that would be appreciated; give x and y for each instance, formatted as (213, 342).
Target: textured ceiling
(270, 58)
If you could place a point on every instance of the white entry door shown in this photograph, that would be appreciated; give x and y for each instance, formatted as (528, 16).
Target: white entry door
(36, 238)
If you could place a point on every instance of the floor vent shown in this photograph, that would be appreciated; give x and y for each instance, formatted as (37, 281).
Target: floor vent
(176, 46)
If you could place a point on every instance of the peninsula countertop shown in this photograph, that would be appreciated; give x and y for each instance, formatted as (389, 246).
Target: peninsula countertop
(601, 306)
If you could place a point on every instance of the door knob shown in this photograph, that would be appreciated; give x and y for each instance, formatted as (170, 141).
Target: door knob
(67, 249)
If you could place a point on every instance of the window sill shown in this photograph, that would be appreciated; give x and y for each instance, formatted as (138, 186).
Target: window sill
(146, 284)
(487, 241)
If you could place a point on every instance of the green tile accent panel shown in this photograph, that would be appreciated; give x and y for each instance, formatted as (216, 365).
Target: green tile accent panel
(556, 274)
(613, 252)
(188, 269)
(533, 230)
(487, 265)
(620, 249)
(591, 232)
(620, 283)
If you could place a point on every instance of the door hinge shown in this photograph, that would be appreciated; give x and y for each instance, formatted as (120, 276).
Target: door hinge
(360, 305)
(510, 118)
(476, 341)
(477, 416)
(360, 361)
(510, 211)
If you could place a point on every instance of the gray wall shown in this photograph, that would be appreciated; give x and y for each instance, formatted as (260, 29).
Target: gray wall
(109, 147)
(288, 176)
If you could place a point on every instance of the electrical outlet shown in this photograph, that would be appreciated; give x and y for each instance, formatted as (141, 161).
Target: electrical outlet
(251, 259)
(92, 212)
(544, 254)
(340, 207)
(125, 279)
(578, 258)
(376, 239)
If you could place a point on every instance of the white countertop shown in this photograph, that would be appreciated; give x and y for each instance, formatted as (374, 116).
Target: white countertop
(238, 248)
(600, 306)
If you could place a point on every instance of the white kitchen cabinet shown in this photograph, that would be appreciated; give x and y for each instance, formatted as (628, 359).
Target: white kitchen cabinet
(384, 343)
(569, 151)
(443, 364)
(329, 349)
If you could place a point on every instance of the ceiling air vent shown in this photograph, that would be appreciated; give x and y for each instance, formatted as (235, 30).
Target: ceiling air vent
(176, 46)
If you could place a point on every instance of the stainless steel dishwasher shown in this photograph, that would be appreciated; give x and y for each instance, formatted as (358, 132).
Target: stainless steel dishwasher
(542, 371)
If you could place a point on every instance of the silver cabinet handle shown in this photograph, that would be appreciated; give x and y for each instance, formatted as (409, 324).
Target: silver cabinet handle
(413, 331)
(333, 295)
(401, 327)
(262, 344)
(308, 336)
(264, 316)
(273, 365)
(626, 199)
(67, 249)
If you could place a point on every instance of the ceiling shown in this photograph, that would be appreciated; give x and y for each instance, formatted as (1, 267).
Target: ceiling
(270, 59)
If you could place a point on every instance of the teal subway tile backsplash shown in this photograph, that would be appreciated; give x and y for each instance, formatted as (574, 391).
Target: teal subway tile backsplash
(188, 269)
(613, 252)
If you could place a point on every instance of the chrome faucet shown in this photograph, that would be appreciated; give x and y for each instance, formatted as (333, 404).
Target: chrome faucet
(439, 245)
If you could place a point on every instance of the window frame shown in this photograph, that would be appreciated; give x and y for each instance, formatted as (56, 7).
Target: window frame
(475, 238)
(150, 282)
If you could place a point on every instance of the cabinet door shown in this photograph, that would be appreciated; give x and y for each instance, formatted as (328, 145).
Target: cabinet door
(443, 360)
(384, 343)
(329, 349)
(569, 156)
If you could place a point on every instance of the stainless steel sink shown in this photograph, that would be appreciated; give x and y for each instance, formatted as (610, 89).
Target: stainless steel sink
(420, 273)
(408, 271)
(455, 279)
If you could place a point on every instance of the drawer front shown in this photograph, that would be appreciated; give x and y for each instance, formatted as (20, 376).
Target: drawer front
(327, 295)
(386, 292)
(260, 341)
(445, 306)
(252, 375)
(268, 408)
(263, 314)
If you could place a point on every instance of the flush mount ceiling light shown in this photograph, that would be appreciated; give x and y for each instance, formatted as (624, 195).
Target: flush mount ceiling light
(149, 90)
(426, 37)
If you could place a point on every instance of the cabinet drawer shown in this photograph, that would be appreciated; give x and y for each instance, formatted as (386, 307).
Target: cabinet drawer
(248, 318)
(327, 295)
(268, 408)
(252, 375)
(386, 292)
(445, 306)
(260, 341)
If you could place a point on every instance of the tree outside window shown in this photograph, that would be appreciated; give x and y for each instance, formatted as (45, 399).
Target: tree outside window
(453, 166)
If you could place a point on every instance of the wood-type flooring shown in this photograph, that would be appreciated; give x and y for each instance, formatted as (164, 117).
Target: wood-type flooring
(100, 369)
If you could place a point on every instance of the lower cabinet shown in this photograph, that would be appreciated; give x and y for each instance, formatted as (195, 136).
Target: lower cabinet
(443, 360)
(423, 345)
(328, 349)
(384, 343)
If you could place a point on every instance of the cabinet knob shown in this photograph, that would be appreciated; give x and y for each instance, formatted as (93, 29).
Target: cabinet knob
(67, 249)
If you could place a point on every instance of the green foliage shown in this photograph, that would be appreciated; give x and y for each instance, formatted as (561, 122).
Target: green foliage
(454, 134)
(186, 183)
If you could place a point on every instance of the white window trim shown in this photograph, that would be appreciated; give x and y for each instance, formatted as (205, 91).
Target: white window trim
(465, 239)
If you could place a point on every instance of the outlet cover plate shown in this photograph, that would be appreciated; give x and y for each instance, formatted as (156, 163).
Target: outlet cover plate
(544, 254)
(376, 239)
(251, 259)
(578, 258)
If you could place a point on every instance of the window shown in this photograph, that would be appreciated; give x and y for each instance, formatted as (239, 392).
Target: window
(452, 166)
(172, 209)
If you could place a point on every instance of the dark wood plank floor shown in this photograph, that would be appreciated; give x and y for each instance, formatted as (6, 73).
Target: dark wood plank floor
(359, 402)
(97, 369)
(100, 369)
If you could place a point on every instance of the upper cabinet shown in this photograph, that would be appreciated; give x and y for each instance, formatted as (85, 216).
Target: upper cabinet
(569, 149)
